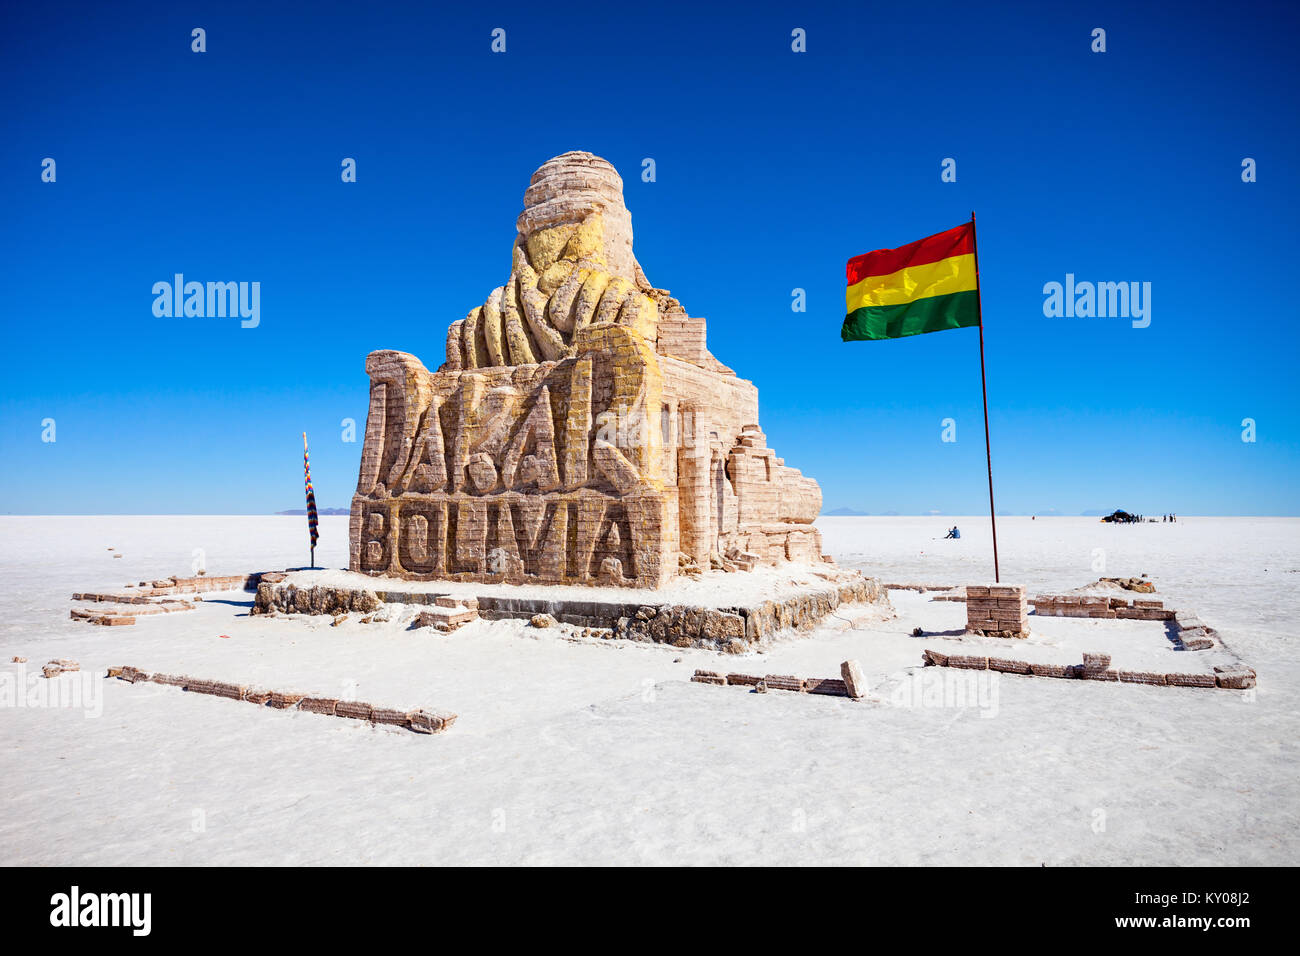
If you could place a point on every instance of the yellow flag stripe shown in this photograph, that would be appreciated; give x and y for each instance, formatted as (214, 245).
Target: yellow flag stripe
(954, 274)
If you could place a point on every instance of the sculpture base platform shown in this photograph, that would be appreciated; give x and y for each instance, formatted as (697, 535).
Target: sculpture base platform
(729, 611)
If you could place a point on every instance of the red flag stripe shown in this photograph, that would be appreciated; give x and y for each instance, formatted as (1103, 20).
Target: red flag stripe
(959, 241)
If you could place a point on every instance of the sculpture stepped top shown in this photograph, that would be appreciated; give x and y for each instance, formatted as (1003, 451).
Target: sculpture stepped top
(573, 266)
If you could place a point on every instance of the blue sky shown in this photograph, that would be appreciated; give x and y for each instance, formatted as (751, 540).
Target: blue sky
(773, 168)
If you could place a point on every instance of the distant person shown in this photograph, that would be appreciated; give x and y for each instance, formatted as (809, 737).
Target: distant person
(952, 533)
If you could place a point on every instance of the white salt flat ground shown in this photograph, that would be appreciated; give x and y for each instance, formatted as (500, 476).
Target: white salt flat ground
(602, 752)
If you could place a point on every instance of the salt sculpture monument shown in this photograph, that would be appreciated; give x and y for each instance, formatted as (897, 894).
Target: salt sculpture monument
(579, 432)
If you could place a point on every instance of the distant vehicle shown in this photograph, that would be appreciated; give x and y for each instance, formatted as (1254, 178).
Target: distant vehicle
(1121, 517)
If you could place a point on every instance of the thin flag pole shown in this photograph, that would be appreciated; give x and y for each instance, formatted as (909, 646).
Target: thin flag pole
(988, 450)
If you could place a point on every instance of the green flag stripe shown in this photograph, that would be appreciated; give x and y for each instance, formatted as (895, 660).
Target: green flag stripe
(957, 310)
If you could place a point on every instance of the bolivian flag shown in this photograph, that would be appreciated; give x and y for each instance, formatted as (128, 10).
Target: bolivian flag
(925, 286)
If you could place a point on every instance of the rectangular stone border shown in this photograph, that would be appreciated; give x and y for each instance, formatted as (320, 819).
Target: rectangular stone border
(132, 602)
(850, 683)
(1192, 633)
(418, 721)
(1096, 667)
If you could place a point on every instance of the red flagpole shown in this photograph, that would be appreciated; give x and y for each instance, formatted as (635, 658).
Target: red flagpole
(988, 450)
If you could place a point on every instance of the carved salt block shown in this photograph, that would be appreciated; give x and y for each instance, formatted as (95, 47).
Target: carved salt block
(1103, 674)
(388, 715)
(357, 710)
(855, 681)
(430, 722)
(1049, 670)
(830, 686)
(230, 691)
(1095, 661)
(784, 682)
(708, 677)
(1141, 677)
(1234, 676)
(445, 618)
(1191, 680)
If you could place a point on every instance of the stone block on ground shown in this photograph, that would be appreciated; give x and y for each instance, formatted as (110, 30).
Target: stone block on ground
(830, 686)
(1190, 680)
(1234, 676)
(355, 709)
(784, 682)
(855, 681)
(708, 677)
(1141, 677)
(429, 722)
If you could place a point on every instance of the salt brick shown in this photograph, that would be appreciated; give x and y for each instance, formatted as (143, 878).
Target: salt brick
(855, 682)
(709, 679)
(1141, 677)
(429, 722)
(1235, 676)
(357, 710)
(968, 662)
(318, 705)
(825, 685)
(1007, 666)
(1049, 670)
(784, 682)
(1190, 680)
(388, 715)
